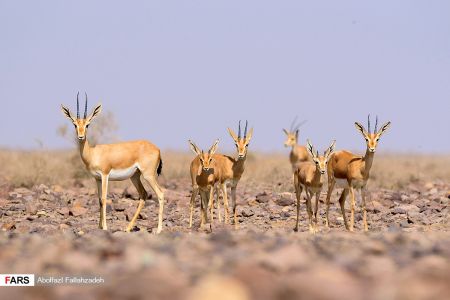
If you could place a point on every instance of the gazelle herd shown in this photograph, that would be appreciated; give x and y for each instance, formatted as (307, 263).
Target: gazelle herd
(211, 172)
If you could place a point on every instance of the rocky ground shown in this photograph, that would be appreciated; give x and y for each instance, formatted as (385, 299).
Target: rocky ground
(53, 231)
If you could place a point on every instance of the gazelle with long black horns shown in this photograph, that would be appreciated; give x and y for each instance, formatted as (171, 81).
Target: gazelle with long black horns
(353, 171)
(298, 152)
(232, 169)
(117, 162)
(308, 176)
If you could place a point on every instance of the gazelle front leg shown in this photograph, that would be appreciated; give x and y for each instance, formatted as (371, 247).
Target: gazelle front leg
(310, 212)
(225, 202)
(105, 179)
(99, 191)
(364, 194)
(211, 204)
(316, 208)
(218, 202)
(192, 204)
(315, 211)
(329, 192)
(298, 194)
(234, 204)
(352, 211)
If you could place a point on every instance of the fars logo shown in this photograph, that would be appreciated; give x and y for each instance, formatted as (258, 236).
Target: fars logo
(16, 279)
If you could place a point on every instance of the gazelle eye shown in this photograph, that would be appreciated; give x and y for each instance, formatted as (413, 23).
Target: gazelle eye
(87, 126)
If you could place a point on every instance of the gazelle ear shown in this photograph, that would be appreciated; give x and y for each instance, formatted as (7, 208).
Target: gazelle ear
(285, 131)
(67, 113)
(296, 134)
(194, 148)
(310, 148)
(384, 128)
(213, 148)
(233, 135)
(97, 110)
(249, 135)
(330, 149)
(360, 128)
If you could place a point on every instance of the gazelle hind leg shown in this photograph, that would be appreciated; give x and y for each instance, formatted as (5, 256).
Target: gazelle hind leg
(151, 179)
(136, 180)
(342, 205)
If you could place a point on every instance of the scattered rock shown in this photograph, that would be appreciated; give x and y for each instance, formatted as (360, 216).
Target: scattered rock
(285, 199)
(263, 197)
(77, 211)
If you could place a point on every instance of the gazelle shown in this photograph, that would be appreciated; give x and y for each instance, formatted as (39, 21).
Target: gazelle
(231, 169)
(298, 152)
(308, 176)
(204, 176)
(228, 170)
(117, 162)
(353, 172)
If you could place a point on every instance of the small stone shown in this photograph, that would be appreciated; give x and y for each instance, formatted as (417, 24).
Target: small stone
(64, 211)
(31, 208)
(41, 213)
(78, 211)
(246, 212)
(263, 197)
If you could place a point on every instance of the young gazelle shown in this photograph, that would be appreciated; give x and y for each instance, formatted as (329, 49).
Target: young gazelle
(228, 170)
(309, 177)
(204, 176)
(298, 153)
(117, 162)
(353, 172)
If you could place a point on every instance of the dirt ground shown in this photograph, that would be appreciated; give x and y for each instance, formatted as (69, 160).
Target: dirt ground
(52, 231)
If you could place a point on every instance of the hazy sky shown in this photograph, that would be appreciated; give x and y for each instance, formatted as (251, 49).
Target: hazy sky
(174, 70)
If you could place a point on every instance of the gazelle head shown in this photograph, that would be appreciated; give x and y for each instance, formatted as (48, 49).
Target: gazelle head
(372, 138)
(241, 142)
(292, 133)
(81, 124)
(321, 161)
(206, 158)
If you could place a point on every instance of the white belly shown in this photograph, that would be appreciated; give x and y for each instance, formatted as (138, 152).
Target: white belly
(122, 174)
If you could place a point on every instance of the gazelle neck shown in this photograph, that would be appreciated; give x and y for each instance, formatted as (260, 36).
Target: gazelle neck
(368, 160)
(85, 150)
(239, 163)
(317, 176)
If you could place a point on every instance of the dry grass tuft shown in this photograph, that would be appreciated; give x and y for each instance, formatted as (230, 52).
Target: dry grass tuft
(394, 171)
